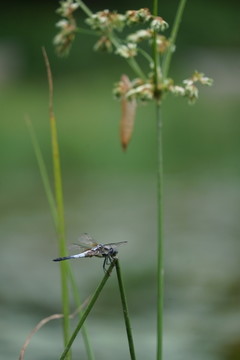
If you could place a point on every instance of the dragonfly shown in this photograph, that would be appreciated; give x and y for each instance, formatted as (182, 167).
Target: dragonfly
(88, 247)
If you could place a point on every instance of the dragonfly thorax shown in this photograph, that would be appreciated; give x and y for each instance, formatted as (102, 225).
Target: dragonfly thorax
(109, 251)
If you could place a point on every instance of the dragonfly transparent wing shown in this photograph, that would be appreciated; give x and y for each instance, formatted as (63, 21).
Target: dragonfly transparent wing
(85, 242)
(116, 244)
(76, 248)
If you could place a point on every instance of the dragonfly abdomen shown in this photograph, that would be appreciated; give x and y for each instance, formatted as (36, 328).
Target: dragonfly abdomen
(70, 257)
(62, 258)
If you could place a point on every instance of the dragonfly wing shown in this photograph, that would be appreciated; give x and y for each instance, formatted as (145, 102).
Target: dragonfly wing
(116, 243)
(86, 241)
(77, 248)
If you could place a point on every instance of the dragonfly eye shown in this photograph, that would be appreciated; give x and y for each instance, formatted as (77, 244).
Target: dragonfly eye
(113, 252)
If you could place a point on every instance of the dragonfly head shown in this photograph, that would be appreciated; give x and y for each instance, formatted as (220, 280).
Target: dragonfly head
(113, 252)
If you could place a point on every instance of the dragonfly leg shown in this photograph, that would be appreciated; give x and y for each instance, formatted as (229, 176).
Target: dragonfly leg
(104, 264)
(107, 261)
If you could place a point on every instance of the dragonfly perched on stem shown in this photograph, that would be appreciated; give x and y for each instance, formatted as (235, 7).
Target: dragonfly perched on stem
(89, 248)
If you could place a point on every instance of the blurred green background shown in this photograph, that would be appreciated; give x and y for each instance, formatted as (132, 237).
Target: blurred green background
(112, 195)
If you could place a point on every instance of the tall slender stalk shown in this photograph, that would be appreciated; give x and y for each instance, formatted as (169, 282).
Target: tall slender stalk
(160, 265)
(87, 311)
(59, 206)
(125, 312)
(160, 268)
(173, 37)
(60, 226)
(159, 123)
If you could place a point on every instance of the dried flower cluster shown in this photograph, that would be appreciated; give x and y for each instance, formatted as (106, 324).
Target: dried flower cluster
(145, 90)
(108, 26)
(106, 21)
(64, 39)
(105, 24)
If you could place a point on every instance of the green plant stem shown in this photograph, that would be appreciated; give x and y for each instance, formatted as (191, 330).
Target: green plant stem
(155, 7)
(52, 205)
(131, 61)
(125, 311)
(160, 268)
(145, 55)
(87, 32)
(136, 68)
(87, 311)
(43, 170)
(60, 226)
(173, 37)
(155, 52)
(160, 265)
(84, 8)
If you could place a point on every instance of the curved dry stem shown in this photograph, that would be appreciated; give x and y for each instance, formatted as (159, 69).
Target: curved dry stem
(44, 322)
